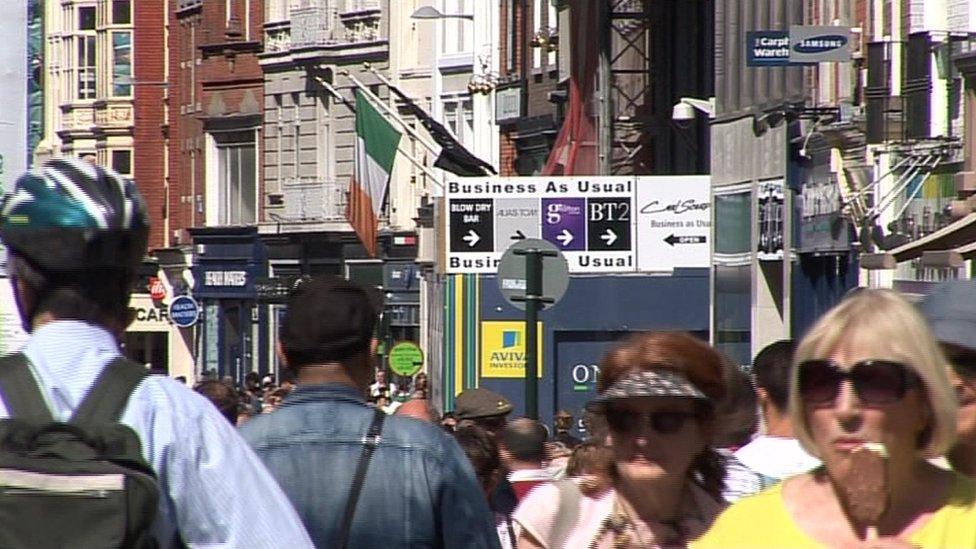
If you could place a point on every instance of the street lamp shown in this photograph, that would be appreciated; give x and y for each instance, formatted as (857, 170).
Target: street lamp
(430, 12)
(684, 109)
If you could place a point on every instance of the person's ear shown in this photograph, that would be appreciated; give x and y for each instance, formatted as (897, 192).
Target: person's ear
(762, 397)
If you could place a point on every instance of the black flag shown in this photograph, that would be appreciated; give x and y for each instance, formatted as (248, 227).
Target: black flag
(453, 156)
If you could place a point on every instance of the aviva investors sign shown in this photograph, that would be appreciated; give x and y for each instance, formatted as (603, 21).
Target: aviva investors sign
(802, 45)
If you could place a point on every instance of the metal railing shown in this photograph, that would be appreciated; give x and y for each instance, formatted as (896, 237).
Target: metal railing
(311, 199)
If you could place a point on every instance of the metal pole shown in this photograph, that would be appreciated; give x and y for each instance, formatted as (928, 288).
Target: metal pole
(604, 37)
(533, 302)
(413, 133)
(533, 290)
(434, 178)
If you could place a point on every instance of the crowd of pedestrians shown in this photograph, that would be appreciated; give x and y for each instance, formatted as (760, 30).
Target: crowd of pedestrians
(861, 434)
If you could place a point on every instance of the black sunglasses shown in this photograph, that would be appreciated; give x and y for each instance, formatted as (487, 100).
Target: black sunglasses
(665, 422)
(876, 382)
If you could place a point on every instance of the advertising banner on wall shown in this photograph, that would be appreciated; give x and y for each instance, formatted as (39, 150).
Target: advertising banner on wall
(503, 349)
(601, 224)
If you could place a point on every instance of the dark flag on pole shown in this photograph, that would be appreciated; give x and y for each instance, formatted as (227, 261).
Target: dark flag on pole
(453, 157)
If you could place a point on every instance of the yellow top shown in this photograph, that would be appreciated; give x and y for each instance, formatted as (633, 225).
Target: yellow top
(761, 520)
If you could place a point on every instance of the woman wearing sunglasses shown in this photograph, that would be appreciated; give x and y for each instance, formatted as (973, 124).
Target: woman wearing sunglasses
(868, 375)
(656, 392)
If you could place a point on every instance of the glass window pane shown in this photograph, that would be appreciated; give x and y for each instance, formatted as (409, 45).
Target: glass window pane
(223, 163)
(86, 18)
(121, 63)
(122, 162)
(234, 186)
(121, 12)
(732, 226)
(732, 312)
(248, 185)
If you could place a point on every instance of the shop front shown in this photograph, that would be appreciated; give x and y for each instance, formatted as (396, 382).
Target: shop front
(227, 263)
(152, 339)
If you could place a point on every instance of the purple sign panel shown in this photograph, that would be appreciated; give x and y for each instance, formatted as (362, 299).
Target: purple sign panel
(564, 223)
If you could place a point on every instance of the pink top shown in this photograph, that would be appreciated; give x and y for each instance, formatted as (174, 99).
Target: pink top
(601, 524)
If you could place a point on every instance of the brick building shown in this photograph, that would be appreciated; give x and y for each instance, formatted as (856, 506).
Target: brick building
(215, 98)
(529, 119)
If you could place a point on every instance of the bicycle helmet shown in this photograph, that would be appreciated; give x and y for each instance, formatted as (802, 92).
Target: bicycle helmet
(71, 217)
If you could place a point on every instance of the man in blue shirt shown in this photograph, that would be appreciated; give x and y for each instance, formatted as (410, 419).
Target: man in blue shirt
(419, 489)
(76, 234)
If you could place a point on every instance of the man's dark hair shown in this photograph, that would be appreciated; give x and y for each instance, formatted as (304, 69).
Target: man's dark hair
(223, 397)
(96, 297)
(772, 368)
(525, 439)
(482, 452)
(329, 320)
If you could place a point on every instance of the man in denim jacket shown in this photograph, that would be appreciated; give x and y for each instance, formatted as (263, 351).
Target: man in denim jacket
(420, 490)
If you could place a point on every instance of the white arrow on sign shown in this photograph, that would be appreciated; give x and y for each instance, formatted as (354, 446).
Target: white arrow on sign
(471, 238)
(609, 237)
(565, 237)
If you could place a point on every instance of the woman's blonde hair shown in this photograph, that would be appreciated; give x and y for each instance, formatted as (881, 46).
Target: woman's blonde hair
(884, 325)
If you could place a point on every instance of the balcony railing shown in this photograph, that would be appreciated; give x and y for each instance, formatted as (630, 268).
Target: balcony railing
(310, 199)
(311, 26)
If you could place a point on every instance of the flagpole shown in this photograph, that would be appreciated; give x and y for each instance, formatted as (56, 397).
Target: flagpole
(436, 180)
(413, 133)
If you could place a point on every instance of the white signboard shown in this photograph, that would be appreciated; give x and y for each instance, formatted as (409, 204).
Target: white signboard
(673, 222)
(589, 218)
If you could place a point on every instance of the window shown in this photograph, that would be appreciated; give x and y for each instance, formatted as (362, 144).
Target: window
(459, 119)
(86, 18)
(121, 64)
(236, 178)
(85, 48)
(122, 161)
(456, 36)
(121, 12)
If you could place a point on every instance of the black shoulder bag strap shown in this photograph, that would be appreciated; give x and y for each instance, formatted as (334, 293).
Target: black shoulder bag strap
(370, 442)
(108, 396)
(21, 394)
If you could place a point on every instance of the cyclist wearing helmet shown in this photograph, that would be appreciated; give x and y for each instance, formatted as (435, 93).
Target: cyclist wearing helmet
(76, 234)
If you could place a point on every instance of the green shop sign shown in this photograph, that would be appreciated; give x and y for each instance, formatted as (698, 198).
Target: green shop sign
(406, 359)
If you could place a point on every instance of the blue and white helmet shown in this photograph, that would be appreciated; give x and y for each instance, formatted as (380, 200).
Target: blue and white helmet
(71, 216)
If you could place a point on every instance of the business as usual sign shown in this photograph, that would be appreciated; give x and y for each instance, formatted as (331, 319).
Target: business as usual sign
(600, 224)
(590, 219)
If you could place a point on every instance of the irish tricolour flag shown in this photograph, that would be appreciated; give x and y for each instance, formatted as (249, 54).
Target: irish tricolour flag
(376, 147)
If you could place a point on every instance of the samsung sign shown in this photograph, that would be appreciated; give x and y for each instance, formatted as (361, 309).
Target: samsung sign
(802, 45)
(819, 44)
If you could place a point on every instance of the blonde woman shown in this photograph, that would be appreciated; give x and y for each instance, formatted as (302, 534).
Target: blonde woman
(868, 375)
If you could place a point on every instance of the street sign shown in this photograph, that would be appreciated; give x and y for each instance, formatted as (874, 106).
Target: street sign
(588, 218)
(511, 273)
(184, 311)
(472, 225)
(516, 219)
(406, 359)
(673, 222)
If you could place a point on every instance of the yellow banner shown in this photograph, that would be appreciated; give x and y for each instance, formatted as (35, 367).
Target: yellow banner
(503, 349)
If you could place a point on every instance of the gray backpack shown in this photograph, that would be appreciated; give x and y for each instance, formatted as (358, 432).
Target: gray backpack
(81, 483)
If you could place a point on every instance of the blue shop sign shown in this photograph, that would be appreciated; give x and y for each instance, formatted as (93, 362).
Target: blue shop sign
(225, 280)
(767, 48)
(184, 311)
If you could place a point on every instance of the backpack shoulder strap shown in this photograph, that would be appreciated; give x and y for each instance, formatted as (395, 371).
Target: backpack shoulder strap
(108, 396)
(20, 391)
(370, 442)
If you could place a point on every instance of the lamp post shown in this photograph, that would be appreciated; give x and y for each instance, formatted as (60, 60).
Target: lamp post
(430, 12)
